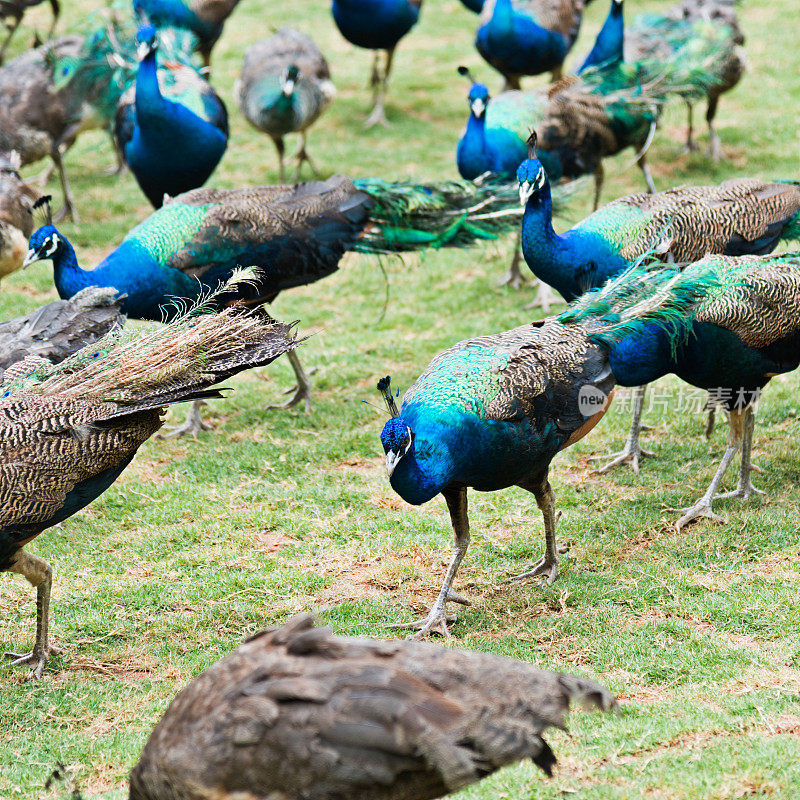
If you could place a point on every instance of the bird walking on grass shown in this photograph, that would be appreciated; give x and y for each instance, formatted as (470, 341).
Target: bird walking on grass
(68, 431)
(285, 86)
(301, 714)
(377, 25)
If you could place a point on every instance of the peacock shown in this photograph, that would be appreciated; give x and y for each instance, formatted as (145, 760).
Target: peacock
(40, 120)
(376, 25)
(297, 234)
(493, 411)
(736, 338)
(204, 18)
(285, 86)
(740, 216)
(16, 222)
(686, 32)
(172, 137)
(608, 48)
(298, 713)
(11, 14)
(69, 430)
(527, 37)
(59, 329)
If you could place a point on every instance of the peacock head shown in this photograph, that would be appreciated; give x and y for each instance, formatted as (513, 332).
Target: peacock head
(289, 81)
(396, 436)
(478, 97)
(147, 37)
(44, 243)
(530, 173)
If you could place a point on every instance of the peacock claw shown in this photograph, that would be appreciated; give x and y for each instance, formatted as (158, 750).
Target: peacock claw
(628, 455)
(436, 622)
(513, 279)
(544, 299)
(36, 658)
(742, 492)
(298, 393)
(702, 508)
(377, 117)
(192, 425)
(544, 566)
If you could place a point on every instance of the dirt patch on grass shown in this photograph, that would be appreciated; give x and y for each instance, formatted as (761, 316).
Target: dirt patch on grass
(369, 467)
(127, 666)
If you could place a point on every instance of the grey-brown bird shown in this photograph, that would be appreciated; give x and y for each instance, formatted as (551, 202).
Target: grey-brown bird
(296, 713)
(16, 222)
(68, 431)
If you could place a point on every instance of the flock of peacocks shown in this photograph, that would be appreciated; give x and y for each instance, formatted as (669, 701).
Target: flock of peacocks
(680, 282)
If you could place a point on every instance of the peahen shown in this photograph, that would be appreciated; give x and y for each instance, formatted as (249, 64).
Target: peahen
(376, 25)
(204, 18)
(740, 216)
(40, 120)
(11, 14)
(527, 37)
(173, 136)
(59, 329)
(285, 86)
(732, 343)
(16, 222)
(296, 233)
(493, 411)
(297, 713)
(686, 31)
(69, 430)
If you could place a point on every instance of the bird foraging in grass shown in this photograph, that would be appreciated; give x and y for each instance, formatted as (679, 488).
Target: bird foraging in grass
(297, 713)
(68, 431)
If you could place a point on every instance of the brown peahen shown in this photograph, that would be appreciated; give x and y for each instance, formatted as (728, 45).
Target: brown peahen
(11, 14)
(684, 31)
(297, 713)
(68, 431)
(59, 329)
(285, 86)
(38, 119)
(16, 222)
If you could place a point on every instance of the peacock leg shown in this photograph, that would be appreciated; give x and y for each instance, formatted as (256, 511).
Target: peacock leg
(745, 487)
(56, 8)
(120, 166)
(632, 451)
(514, 277)
(40, 575)
(378, 115)
(192, 425)
(303, 389)
(711, 404)
(281, 148)
(599, 175)
(437, 619)
(648, 178)
(546, 500)
(715, 148)
(557, 74)
(69, 200)
(302, 156)
(702, 508)
(691, 145)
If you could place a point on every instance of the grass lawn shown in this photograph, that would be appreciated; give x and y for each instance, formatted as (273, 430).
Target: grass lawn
(201, 543)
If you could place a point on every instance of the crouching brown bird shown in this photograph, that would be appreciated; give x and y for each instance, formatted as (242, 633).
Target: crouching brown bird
(299, 714)
(68, 431)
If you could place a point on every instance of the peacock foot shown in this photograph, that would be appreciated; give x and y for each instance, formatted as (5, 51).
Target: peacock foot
(513, 278)
(298, 392)
(631, 454)
(37, 658)
(377, 117)
(742, 492)
(545, 298)
(191, 426)
(548, 567)
(702, 508)
(436, 621)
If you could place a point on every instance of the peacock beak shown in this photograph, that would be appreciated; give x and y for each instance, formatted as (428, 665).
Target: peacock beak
(526, 189)
(288, 87)
(30, 257)
(143, 50)
(478, 107)
(391, 461)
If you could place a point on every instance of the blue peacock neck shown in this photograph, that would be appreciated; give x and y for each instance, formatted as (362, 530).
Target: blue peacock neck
(610, 42)
(502, 21)
(424, 471)
(150, 103)
(471, 156)
(69, 277)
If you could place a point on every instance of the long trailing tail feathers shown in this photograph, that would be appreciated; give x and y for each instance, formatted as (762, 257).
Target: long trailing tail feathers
(415, 216)
(171, 364)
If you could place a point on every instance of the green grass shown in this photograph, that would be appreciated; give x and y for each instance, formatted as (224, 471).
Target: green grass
(200, 543)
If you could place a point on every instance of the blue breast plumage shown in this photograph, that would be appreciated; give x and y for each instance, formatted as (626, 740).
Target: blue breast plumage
(375, 24)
